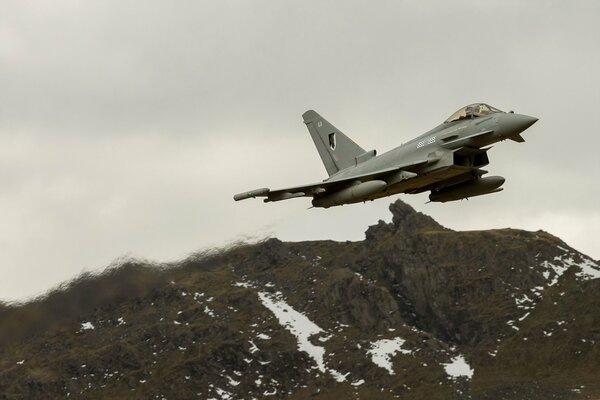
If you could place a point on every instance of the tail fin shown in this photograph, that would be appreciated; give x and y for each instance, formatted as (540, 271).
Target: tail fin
(337, 150)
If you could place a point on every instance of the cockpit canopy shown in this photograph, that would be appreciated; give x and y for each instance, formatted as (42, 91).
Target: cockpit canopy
(472, 111)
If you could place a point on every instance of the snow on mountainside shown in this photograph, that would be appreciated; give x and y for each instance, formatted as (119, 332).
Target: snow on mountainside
(414, 311)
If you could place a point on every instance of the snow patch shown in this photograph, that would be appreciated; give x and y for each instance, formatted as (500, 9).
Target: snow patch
(263, 336)
(589, 270)
(524, 299)
(253, 349)
(510, 323)
(208, 311)
(458, 367)
(382, 350)
(323, 339)
(225, 395)
(246, 285)
(87, 326)
(524, 316)
(301, 327)
(232, 381)
(559, 267)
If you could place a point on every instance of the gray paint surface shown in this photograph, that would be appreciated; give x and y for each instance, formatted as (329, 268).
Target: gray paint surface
(125, 126)
(447, 160)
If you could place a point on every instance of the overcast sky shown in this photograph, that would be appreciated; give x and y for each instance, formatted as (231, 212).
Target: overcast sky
(126, 127)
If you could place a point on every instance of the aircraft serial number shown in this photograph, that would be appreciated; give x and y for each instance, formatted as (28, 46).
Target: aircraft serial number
(425, 142)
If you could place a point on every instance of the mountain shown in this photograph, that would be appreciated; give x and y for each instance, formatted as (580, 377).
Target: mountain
(414, 311)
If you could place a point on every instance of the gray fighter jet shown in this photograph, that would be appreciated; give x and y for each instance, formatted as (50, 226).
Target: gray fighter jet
(447, 161)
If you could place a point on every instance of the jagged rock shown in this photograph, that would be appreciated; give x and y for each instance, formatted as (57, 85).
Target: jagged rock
(376, 231)
(405, 221)
(408, 221)
(357, 303)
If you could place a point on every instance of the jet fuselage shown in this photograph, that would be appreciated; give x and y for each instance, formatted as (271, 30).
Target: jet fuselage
(446, 160)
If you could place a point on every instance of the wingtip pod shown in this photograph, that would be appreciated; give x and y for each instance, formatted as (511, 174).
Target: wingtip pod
(251, 194)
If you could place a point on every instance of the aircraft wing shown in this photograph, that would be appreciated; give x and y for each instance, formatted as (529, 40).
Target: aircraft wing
(286, 193)
(330, 185)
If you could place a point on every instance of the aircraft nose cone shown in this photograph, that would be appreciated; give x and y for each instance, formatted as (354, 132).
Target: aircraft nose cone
(514, 124)
(526, 121)
(521, 122)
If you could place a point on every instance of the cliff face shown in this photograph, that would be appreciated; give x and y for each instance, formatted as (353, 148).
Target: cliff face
(414, 311)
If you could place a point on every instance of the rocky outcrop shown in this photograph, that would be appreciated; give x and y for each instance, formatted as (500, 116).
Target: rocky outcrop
(405, 222)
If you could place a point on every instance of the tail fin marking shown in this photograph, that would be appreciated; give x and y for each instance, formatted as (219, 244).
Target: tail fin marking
(337, 151)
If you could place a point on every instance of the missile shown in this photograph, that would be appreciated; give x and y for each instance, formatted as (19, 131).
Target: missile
(352, 194)
(463, 190)
(251, 194)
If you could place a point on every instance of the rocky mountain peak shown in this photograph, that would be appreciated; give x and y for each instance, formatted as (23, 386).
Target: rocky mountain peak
(405, 221)
(406, 218)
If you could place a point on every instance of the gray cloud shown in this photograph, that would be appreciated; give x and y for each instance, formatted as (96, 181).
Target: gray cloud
(125, 128)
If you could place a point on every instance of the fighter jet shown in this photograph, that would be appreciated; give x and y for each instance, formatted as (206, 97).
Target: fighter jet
(446, 160)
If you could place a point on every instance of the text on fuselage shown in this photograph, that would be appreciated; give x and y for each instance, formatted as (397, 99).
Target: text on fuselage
(425, 142)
